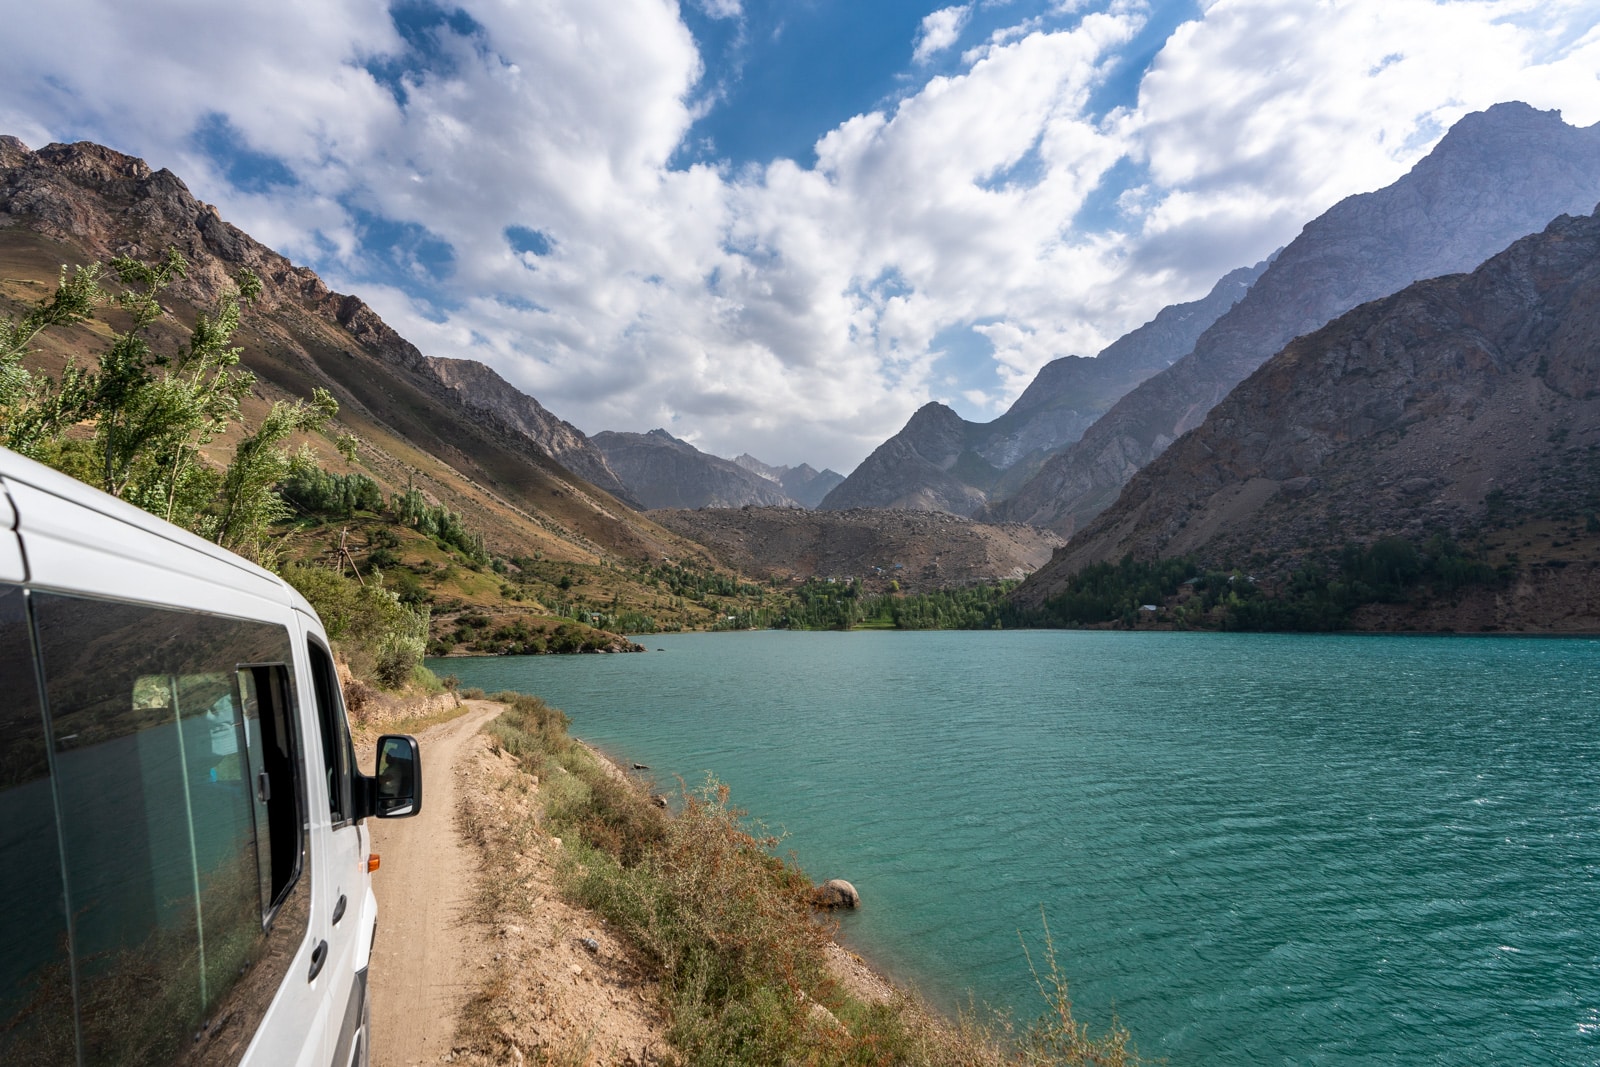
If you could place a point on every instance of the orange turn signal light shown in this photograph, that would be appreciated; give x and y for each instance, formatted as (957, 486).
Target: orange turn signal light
(373, 859)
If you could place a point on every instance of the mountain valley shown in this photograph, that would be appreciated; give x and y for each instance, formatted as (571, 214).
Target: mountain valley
(1435, 426)
(941, 462)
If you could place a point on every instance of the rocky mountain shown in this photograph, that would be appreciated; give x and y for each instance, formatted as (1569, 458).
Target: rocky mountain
(451, 428)
(804, 484)
(916, 550)
(481, 389)
(941, 462)
(927, 466)
(1497, 175)
(1464, 403)
(661, 471)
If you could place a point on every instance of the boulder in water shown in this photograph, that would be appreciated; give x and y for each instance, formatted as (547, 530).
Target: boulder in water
(835, 893)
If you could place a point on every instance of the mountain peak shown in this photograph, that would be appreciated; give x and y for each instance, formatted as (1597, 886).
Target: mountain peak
(806, 485)
(935, 417)
(934, 409)
(1506, 115)
(96, 162)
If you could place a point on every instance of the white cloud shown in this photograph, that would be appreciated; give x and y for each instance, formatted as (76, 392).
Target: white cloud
(797, 312)
(940, 30)
(721, 9)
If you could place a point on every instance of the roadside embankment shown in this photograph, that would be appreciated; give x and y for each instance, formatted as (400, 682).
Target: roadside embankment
(613, 931)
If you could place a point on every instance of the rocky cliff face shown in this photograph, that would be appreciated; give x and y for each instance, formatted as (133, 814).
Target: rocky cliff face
(1409, 415)
(661, 471)
(479, 388)
(805, 485)
(941, 462)
(1496, 176)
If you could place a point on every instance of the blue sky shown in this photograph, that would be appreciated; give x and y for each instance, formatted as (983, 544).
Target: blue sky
(780, 227)
(786, 71)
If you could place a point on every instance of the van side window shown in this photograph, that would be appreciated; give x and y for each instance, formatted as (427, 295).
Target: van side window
(36, 1012)
(271, 737)
(335, 731)
(179, 783)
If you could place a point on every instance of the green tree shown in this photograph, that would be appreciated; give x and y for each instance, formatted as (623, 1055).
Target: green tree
(35, 410)
(153, 412)
(249, 502)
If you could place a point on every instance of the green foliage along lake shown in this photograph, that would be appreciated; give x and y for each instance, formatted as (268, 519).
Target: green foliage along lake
(1260, 849)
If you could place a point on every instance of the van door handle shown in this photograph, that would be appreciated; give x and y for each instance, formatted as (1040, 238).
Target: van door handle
(319, 956)
(338, 909)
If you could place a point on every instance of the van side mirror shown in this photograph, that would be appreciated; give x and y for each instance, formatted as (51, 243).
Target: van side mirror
(399, 780)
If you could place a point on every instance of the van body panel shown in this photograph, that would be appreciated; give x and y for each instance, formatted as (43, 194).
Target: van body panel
(18, 470)
(342, 846)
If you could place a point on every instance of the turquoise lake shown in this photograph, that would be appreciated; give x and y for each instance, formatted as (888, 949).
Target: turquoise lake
(1256, 849)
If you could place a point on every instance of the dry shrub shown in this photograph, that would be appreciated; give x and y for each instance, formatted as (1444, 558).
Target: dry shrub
(1057, 1037)
(359, 698)
(620, 820)
(530, 730)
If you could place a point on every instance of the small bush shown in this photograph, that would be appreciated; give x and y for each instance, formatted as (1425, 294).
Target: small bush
(383, 639)
(400, 652)
(359, 698)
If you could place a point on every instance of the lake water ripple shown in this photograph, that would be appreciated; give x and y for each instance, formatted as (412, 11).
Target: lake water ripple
(1256, 849)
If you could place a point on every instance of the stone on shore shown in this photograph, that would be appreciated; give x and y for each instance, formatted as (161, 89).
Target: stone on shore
(835, 893)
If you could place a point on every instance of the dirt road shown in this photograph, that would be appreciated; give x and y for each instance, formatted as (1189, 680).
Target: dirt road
(421, 966)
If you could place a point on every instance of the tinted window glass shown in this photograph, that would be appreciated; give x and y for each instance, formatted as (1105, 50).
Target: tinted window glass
(335, 732)
(162, 724)
(36, 1020)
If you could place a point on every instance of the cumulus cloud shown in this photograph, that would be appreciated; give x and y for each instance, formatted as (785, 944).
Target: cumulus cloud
(498, 181)
(940, 30)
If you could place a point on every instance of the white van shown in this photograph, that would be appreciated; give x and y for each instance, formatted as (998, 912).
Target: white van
(184, 861)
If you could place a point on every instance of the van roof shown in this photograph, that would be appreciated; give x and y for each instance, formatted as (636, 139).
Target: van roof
(20, 475)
